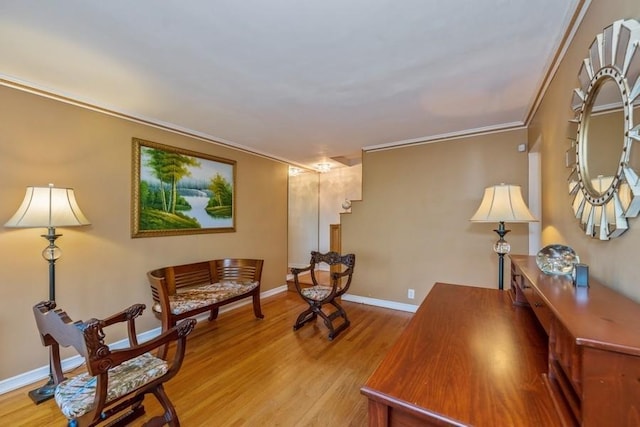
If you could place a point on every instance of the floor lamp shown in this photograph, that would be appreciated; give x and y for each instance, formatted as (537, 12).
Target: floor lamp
(502, 203)
(48, 207)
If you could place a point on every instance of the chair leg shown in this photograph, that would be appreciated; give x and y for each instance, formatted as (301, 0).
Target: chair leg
(170, 417)
(305, 317)
(328, 322)
(340, 311)
(333, 332)
(313, 312)
(133, 409)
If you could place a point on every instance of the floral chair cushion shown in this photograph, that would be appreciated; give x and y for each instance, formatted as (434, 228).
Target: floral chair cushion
(75, 396)
(202, 296)
(317, 293)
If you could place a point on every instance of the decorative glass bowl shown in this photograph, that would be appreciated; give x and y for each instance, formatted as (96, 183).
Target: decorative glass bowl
(556, 259)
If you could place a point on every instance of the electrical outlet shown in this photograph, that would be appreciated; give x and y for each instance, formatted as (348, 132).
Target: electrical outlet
(411, 294)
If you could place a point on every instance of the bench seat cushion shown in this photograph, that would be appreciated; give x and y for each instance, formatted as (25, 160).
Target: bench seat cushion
(76, 395)
(193, 298)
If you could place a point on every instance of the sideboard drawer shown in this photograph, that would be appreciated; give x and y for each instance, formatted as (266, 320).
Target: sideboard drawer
(523, 293)
(518, 284)
(540, 308)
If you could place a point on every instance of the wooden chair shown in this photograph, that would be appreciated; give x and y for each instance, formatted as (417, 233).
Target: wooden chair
(320, 295)
(116, 380)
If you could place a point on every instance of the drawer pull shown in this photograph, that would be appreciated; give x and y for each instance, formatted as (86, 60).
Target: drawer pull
(538, 304)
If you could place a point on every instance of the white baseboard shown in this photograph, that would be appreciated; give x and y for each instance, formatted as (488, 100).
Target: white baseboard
(73, 362)
(381, 303)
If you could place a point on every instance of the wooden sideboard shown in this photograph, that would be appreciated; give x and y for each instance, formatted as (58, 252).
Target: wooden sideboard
(544, 353)
(593, 371)
(469, 356)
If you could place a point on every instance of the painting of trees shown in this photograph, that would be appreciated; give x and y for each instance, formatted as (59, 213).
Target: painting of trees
(222, 199)
(179, 191)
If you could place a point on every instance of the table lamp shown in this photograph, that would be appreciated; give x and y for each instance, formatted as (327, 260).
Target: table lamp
(502, 203)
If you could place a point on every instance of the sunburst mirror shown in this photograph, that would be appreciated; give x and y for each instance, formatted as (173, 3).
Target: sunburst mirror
(604, 182)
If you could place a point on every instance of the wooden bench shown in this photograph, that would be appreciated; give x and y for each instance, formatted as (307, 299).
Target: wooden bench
(182, 291)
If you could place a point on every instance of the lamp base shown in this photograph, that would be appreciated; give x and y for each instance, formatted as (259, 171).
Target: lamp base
(43, 393)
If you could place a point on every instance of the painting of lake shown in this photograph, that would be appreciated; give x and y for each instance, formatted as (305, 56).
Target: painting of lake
(181, 192)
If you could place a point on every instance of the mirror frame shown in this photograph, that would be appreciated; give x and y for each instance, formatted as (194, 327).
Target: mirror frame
(614, 55)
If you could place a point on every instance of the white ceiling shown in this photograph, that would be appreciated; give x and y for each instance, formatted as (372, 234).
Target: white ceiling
(300, 81)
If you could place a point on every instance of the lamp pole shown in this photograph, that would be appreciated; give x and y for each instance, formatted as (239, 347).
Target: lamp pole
(501, 247)
(51, 253)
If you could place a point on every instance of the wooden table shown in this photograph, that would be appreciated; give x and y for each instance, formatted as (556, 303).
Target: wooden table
(468, 357)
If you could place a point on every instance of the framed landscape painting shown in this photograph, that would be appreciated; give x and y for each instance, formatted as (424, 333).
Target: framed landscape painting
(177, 191)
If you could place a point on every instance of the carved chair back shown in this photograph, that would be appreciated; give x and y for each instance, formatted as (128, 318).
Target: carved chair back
(341, 269)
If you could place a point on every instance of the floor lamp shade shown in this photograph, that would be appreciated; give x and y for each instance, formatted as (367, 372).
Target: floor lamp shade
(48, 207)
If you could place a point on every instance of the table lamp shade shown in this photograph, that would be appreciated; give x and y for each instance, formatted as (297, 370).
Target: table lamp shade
(503, 203)
(48, 207)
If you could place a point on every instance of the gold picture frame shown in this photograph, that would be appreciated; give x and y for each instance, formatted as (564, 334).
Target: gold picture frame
(177, 191)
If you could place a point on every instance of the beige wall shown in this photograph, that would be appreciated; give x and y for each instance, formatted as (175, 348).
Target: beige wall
(613, 262)
(412, 227)
(303, 217)
(102, 269)
(336, 186)
(315, 202)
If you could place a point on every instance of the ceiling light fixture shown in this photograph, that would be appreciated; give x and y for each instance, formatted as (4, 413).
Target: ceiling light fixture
(323, 167)
(294, 171)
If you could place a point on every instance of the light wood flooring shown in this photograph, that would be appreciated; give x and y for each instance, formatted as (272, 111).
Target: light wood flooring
(241, 371)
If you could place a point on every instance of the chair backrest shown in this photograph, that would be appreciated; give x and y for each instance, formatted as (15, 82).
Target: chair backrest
(341, 268)
(56, 328)
(87, 338)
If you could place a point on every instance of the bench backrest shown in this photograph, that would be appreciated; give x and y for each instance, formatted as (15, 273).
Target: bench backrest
(237, 269)
(175, 277)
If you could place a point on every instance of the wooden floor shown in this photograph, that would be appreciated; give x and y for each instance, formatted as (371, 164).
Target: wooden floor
(241, 371)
